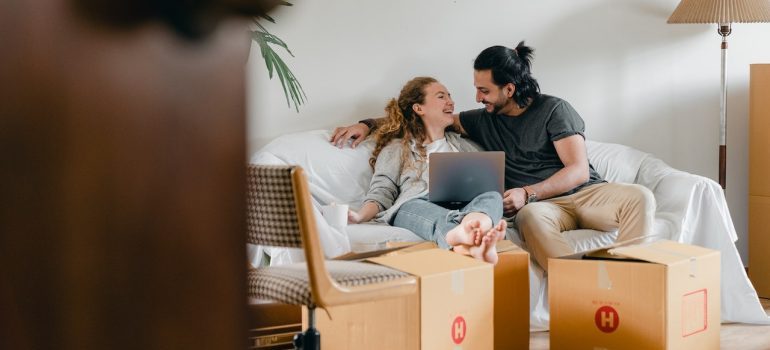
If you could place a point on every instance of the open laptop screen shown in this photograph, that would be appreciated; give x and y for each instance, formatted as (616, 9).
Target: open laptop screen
(457, 177)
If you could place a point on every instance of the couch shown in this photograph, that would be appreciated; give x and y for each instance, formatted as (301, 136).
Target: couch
(690, 209)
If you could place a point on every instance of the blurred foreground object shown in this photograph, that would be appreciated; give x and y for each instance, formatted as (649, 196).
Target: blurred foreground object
(122, 138)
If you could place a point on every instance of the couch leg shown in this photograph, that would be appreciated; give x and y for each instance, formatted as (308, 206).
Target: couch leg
(311, 339)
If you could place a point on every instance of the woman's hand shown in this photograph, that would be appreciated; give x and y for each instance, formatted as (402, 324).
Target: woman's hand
(354, 217)
(367, 212)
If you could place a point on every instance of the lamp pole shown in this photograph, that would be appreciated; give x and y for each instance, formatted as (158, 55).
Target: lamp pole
(724, 30)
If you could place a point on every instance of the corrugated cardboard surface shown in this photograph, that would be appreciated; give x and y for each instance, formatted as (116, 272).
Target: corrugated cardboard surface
(456, 298)
(511, 297)
(383, 324)
(759, 130)
(694, 317)
(616, 304)
(759, 178)
(759, 242)
(452, 310)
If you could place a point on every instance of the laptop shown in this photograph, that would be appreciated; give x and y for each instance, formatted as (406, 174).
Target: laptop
(458, 177)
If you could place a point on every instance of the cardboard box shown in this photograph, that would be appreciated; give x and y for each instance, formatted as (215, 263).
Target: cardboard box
(384, 324)
(662, 295)
(511, 297)
(456, 298)
(759, 241)
(452, 310)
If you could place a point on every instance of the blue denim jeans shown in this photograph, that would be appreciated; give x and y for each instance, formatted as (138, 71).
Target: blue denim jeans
(432, 221)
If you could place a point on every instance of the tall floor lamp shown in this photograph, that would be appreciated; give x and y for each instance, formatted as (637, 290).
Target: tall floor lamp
(723, 13)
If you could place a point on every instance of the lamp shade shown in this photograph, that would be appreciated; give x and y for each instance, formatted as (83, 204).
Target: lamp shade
(721, 11)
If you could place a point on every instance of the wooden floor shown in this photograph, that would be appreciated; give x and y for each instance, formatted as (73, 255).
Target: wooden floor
(733, 337)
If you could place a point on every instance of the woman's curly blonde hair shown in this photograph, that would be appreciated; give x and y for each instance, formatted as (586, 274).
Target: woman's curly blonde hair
(402, 122)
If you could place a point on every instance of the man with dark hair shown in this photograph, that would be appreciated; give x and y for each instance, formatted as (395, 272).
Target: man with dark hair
(551, 186)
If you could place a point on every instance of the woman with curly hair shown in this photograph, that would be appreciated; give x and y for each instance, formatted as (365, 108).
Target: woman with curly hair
(415, 126)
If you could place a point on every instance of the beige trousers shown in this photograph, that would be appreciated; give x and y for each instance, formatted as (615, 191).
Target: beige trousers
(628, 208)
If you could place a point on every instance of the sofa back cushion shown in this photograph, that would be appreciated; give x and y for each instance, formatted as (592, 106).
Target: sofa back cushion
(615, 163)
(342, 175)
(335, 175)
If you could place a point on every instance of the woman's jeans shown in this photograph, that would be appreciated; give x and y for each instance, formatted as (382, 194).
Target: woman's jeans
(432, 221)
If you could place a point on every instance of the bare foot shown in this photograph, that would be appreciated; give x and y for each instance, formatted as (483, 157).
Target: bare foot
(466, 233)
(499, 230)
(461, 249)
(487, 250)
(464, 249)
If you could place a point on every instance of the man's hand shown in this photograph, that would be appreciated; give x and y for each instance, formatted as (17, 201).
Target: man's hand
(513, 200)
(356, 132)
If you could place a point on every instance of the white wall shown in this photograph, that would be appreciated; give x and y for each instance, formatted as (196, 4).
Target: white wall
(634, 79)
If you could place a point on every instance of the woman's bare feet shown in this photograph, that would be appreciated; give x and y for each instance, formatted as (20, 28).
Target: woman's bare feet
(466, 233)
(487, 249)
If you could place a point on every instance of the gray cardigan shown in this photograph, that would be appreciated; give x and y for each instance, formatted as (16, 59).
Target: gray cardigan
(391, 187)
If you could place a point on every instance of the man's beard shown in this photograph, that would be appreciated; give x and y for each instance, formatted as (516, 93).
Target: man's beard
(497, 107)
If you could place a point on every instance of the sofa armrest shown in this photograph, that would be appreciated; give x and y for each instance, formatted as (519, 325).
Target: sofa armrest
(687, 205)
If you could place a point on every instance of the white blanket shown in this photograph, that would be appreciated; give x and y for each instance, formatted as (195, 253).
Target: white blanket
(690, 209)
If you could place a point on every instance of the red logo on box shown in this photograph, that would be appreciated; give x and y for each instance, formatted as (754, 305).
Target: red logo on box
(458, 330)
(607, 319)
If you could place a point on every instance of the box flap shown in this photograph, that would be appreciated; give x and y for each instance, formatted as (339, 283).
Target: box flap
(413, 248)
(363, 255)
(429, 262)
(663, 252)
(506, 246)
(602, 252)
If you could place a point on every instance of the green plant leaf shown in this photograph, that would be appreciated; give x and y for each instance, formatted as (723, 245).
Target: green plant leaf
(291, 86)
(267, 18)
(272, 39)
(265, 49)
(292, 89)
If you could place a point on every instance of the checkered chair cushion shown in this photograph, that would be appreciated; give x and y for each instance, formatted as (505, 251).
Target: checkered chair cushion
(271, 207)
(289, 283)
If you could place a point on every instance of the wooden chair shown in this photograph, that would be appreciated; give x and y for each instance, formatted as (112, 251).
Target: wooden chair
(280, 213)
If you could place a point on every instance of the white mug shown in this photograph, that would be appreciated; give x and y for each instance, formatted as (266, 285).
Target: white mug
(336, 215)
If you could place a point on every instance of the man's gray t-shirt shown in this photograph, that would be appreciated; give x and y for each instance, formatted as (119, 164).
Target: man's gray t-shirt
(527, 140)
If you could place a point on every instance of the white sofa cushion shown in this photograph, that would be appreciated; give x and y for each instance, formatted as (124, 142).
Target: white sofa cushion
(615, 163)
(335, 175)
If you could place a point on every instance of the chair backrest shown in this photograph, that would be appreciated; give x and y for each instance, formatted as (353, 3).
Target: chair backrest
(279, 213)
(271, 207)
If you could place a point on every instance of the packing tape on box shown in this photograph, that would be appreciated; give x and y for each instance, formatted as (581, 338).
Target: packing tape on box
(603, 279)
(458, 282)
(693, 260)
